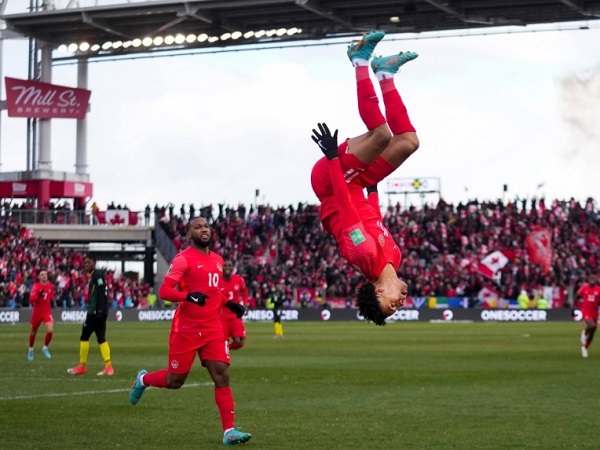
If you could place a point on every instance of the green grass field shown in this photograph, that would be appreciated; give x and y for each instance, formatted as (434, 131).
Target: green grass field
(325, 386)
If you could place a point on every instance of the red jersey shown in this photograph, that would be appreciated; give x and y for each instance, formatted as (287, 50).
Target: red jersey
(591, 297)
(41, 297)
(371, 247)
(234, 290)
(195, 271)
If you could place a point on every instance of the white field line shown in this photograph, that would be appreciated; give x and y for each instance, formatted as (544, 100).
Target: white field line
(72, 394)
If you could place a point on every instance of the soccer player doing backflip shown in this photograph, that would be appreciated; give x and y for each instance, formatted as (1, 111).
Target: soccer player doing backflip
(361, 162)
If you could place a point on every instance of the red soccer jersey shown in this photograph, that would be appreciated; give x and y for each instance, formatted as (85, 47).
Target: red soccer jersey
(371, 249)
(236, 291)
(41, 297)
(194, 271)
(591, 297)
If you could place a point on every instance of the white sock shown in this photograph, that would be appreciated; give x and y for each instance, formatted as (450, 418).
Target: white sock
(383, 75)
(359, 62)
(228, 430)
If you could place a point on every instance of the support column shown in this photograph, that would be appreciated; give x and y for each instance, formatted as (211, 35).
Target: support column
(81, 139)
(45, 152)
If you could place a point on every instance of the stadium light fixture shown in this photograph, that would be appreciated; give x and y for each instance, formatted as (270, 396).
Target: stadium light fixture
(213, 39)
(169, 40)
(190, 38)
(179, 39)
(147, 41)
(62, 48)
(117, 44)
(271, 33)
(260, 33)
(95, 48)
(136, 42)
(84, 46)
(202, 37)
(236, 35)
(395, 19)
(248, 34)
(225, 36)
(158, 40)
(72, 48)
(281, 32)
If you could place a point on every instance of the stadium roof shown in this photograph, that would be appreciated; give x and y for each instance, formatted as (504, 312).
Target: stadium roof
(220, 23)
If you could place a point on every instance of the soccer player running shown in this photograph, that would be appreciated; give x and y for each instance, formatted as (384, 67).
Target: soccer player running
(361, 162)
(234, 289)
(42, 294)
(95, 320)
(590, 296)
(194, 281)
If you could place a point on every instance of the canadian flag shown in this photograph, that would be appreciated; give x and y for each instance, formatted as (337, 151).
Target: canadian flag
(539, 247)
(117, 216)
(493, 262)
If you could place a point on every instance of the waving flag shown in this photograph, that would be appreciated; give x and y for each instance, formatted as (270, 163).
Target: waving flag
(539, 247)
(494, 262)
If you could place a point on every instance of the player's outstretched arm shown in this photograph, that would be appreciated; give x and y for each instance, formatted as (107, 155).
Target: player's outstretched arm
(326, 141)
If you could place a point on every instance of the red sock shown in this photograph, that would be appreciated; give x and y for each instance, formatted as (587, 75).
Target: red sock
(31, 339)
(47, 339)
(224, 401)
(157, 379)
(395, 110)
(368, 103)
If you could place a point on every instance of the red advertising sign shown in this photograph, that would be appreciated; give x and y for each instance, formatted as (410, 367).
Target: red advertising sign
(35, 99)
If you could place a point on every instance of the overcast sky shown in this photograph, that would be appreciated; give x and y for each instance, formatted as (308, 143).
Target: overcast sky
(521, 109)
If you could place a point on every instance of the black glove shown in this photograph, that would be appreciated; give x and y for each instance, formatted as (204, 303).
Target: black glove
(196, 297)
(42, 294)
(236, 308)
(371, 189)
(326, 142)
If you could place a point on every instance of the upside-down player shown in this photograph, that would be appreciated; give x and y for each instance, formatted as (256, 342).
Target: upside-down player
(361, 162)
(234, 289)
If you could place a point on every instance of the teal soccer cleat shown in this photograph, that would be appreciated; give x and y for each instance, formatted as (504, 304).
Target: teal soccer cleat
(363, 49)
(137, 389)
(46, 352)
(30, 355)
(236, 436)
(392, 63)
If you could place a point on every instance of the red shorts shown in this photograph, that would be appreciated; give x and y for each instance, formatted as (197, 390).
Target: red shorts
(358, 175)
(589, 315)
(39, 318)
(355, 171)
(233, 328)
(184, 346)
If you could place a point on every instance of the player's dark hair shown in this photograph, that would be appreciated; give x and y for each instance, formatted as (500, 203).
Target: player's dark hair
(368, 304)
(189, 223)
(92, 257)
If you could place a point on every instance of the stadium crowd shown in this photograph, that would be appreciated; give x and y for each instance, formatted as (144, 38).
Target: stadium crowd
(22, 256)
(285, 248)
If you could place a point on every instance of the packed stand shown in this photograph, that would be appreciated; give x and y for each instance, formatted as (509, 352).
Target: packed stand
(441, 244)
(22, 256)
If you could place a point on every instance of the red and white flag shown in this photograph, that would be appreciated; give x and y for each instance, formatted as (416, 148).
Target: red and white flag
(539, 247)
(117, 216)
(494, 262)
